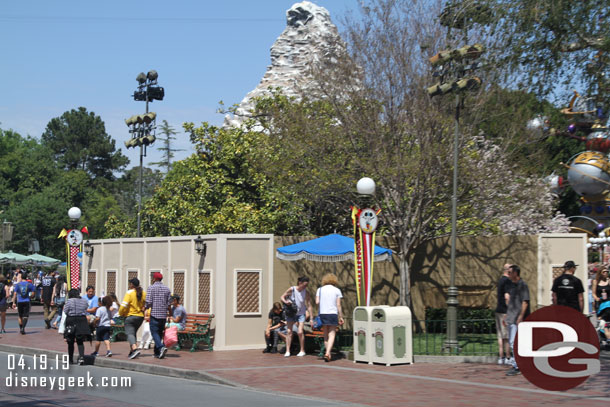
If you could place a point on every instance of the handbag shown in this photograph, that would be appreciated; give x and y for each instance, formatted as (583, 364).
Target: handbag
(59, 301)
(171, 336)
(291, 309)
(317, 323)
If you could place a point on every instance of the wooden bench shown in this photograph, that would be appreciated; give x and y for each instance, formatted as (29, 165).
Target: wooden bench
(342, 339)
(117, 329)
(197, 329)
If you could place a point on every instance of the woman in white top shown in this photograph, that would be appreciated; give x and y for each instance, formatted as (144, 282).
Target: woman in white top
(328, 298)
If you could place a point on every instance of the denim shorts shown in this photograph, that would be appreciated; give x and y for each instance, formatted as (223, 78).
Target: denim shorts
(102, 333)
(329, 319)
(296, 318)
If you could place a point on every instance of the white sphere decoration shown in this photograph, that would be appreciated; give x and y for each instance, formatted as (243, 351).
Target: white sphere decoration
(588, 245)
(366, 186)
(602, 234)
(74, 213)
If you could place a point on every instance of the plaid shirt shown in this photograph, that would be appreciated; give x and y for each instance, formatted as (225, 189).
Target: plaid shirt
(158, 299)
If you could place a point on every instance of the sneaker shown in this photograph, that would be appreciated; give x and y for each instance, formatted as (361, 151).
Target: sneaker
(22, 331)
(147, 346)
(3, 331)
(287, 354)
(513, 372)
(94, 354)
(273, 350)
(140, 347)
(108, 354)
(501, 361)
(48, 324)
(81, 361)
(301, 354)
(267, 350)
(162, 352)
(509, 361)
(134, 354)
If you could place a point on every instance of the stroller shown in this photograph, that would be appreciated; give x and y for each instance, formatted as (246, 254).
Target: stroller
(603, 316)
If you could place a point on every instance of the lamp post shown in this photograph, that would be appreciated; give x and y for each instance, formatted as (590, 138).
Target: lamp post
(454, 67)
(142, 127)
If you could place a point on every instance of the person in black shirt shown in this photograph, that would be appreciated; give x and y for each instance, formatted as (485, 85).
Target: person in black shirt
(567, 289)
(48, 286)
(504, 287)
(273, 326)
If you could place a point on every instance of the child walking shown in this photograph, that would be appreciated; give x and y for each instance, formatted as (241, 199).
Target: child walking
(102, 319)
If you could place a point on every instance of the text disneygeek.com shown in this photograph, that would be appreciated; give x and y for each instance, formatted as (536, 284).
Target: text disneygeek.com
(63, 382)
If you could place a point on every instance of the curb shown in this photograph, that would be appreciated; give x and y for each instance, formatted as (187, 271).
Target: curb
(454, 359)
(131, 366)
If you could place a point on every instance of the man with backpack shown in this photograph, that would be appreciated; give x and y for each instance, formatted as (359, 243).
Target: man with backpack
(21, 300)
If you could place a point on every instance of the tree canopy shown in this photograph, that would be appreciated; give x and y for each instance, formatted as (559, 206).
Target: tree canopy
(78, 139)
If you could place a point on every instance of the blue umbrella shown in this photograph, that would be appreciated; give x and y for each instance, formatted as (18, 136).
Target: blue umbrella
(330, 248)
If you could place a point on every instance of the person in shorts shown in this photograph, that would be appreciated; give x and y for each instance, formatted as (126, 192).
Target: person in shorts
(21, 300)
(504, 287)
(299, 296)
(102, 332)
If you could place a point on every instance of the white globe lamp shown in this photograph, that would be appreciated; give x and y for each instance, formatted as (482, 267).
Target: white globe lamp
(74, 213)
(366, 186)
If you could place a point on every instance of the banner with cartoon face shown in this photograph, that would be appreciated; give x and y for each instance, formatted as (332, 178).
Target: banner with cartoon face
(365, 223)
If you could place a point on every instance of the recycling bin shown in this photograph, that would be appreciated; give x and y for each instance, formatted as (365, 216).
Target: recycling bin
(362, 333)
(392, 335)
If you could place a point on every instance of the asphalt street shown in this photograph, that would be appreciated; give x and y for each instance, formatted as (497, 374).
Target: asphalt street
(124, 387)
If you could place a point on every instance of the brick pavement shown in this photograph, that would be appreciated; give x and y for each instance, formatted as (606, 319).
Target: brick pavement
(421, 384)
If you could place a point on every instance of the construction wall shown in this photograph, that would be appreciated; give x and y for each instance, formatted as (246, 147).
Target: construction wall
(233, 279)
(479, 262)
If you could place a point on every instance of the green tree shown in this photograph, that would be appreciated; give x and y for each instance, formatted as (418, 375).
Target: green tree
(128, 185)
(543, 43)
(168, 151)
(372, 117)
(215, 190)
(79, 140)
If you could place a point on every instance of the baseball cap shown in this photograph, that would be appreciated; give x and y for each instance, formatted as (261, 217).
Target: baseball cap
(158, 276)
(569, 264)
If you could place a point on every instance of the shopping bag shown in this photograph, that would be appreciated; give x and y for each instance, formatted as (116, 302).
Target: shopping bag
(171, 336)
(62, 324)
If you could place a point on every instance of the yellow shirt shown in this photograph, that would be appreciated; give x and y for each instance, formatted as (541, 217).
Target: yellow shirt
(131, 306)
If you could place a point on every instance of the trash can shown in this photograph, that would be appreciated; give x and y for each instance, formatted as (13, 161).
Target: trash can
(363, 345)
(392, 335)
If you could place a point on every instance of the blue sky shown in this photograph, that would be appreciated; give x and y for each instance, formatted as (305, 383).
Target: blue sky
(59, 55)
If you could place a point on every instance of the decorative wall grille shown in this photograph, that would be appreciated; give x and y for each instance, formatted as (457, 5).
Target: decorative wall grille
(110, 282)
(90, 278)
(205, 281)
(248, 292)
(131, 274)
(179, 284)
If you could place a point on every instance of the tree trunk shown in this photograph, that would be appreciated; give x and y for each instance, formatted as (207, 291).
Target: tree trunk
(405, 280)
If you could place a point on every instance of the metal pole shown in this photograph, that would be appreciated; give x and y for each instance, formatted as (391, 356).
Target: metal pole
(138, 234)
(451, 343)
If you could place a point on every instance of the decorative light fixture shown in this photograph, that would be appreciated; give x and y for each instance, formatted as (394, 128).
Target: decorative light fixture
(88, 248)
(366, 186)
(200, 246)
(74, 214)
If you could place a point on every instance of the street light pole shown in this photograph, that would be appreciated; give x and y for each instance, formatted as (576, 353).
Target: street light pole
(451, 342)
(142, 127)
(453, 67)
